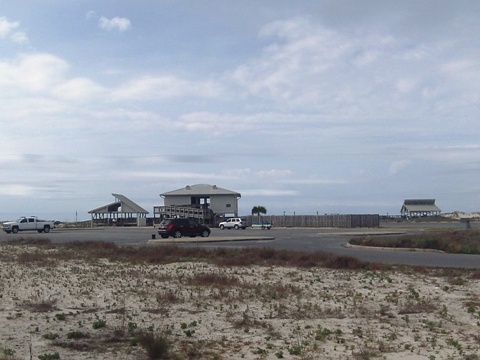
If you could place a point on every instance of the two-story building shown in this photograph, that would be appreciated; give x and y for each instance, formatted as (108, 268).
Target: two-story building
(208, 203)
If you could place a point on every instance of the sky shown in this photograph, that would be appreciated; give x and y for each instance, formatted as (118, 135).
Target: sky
(300, 106)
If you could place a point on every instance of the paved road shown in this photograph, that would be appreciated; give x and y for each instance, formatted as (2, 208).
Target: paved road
(298, 239)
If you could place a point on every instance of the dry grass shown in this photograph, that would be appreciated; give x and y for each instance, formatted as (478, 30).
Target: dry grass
(458, 242)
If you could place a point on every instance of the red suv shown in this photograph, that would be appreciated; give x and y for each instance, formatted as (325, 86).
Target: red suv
(182, 227)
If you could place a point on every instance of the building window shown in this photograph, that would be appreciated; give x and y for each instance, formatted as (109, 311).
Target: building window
(229, 205)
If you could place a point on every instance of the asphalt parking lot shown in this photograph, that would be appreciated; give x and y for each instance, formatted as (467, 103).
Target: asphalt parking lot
(296, 239)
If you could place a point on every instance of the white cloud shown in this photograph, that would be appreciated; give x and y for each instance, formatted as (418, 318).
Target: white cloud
(7, 31)
(256, 175)
(116, 23)
(32, 72)
(214, 124)
(168, 86)
(269, 192)
(7, 26)
(13, 190)
(79, 89)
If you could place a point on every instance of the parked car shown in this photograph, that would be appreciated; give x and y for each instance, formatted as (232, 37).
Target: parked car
(233, 223)
(182, 227)
(262, 225)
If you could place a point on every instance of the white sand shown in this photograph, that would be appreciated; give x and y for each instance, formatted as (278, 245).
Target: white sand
(235, 312)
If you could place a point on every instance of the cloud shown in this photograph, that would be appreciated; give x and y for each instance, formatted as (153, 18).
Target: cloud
(167, 86)
(13, 190)
(269, 192)
(7, 31)
(90, 15)
(116, 23)
(7, 26)
(79, 89)
(32, 72)
(398, 166)
(308, 67)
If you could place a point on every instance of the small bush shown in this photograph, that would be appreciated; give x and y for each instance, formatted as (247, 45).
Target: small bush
(50, 336)
(157, 346)
(99, 323)
(76, 335)
(60, 316)
(47, 356)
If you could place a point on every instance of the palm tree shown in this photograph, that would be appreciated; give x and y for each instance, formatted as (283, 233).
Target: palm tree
(259, 210)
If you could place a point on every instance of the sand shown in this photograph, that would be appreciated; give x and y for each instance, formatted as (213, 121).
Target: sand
(211, 312)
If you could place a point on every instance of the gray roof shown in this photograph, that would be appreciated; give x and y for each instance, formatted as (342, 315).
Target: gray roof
(419, 205)
(127, 205)
(201, 189)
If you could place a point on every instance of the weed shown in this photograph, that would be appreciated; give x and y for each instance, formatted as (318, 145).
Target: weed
(60, 316)
(261, 351)
(189, 332)
(99, 323)
(295, 350)
(50, 336)
(132, 327)
(7, 352)
(157, 346)
(76, 335)
(47, 356)
(322, 333)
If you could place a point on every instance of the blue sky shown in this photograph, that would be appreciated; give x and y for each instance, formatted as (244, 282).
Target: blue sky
(305, 106)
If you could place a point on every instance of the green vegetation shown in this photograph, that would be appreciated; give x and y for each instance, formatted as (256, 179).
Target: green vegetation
(48, 356)
(259, 210)
(456, 242)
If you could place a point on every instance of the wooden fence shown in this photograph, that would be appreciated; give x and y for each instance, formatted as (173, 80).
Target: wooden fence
(333, 220)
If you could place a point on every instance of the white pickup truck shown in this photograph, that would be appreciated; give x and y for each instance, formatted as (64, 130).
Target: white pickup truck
(28, 223)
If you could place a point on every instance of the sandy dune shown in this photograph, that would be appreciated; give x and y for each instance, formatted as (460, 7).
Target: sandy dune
(94, 309)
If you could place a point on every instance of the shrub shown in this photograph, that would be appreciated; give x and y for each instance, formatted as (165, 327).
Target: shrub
(99, 323)
(76, 335)
(157, 346)
(52, 356)
(50, 336)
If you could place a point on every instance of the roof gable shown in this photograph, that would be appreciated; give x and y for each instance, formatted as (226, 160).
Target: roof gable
(419, 205)
(126, 205)
(200, 189)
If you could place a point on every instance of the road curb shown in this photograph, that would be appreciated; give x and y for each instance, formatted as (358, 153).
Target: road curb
(210, 239)
(386, 248)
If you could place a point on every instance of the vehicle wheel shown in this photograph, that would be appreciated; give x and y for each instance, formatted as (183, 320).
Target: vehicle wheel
(222, 227)
(205, 233)
(243, 228)
(46, 229)
(164, 236)
(15, 230)
(236, 227)
(177, 234)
